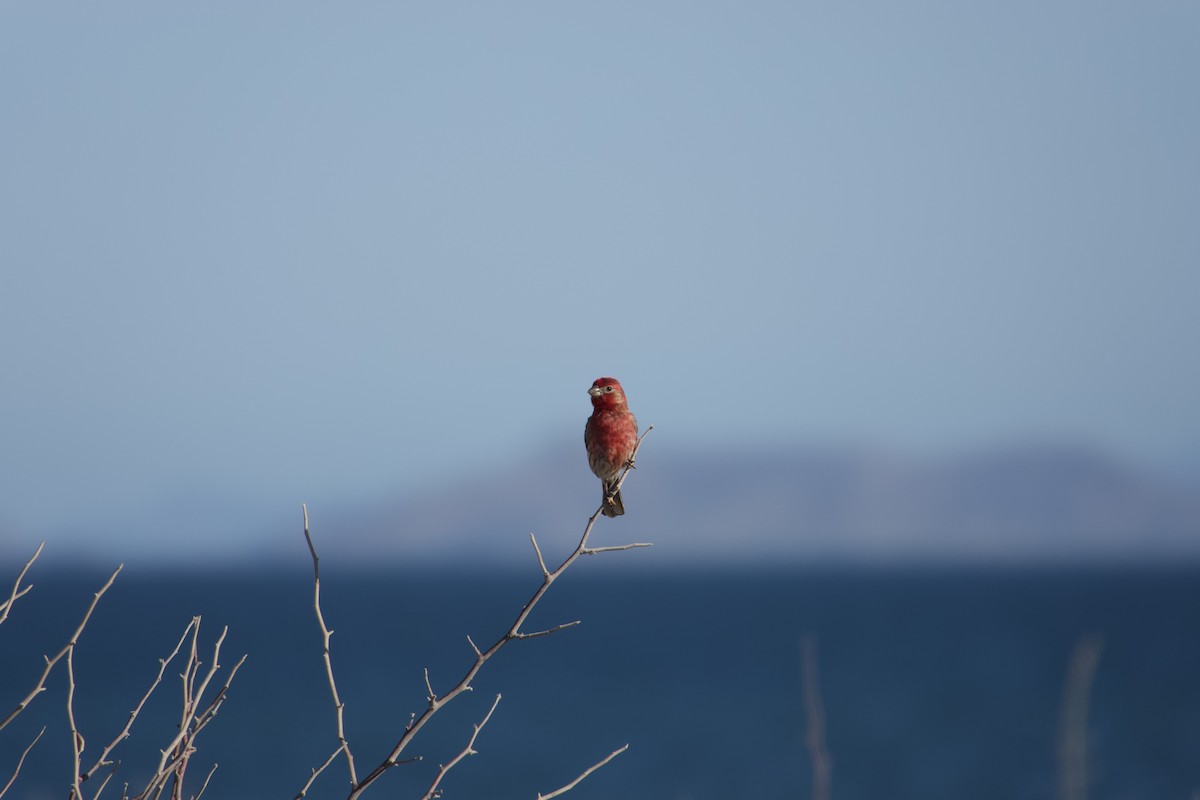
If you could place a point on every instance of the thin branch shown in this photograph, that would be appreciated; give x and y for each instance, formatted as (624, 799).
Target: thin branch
(160, 786)
(204, 785)
(538, 550)
(1072, 746)
(326, 635)
(21, 760)
(107, 778)
(513, 633)
(17, 591)
(317, 771)
(585, 773)
(40, 686)
(469, 750)
(548, 631)
(176, 752)
(211, 711)
(431, 696)
(822, 764)
(591, 551)
(76, 736)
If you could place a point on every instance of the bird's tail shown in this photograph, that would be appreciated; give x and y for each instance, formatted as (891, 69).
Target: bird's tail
(613, 507)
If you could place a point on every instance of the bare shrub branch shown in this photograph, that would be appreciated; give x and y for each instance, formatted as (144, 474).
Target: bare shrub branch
(814, 738)
(210, 712)
(538, 550)
(100, 789)
(76, 737)
(204, 786)
(586, 772)
(591, 551)
(193, 717)
(434, 702)
(21, 761)
(40, 686)
(548, 631)
(431, 696)
(1072, 744)
(17, 591)
(469, 750)
(316, 772)
(326, 635)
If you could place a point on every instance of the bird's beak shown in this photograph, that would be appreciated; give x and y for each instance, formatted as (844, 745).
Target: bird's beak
(595, 391)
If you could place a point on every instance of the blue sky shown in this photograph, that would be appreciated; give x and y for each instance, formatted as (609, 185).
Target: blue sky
(261, 254)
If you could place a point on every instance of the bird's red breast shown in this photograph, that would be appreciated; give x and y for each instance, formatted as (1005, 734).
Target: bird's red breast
(611, 430)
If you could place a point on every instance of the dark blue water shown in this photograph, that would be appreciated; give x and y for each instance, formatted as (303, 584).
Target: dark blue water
(934, 683)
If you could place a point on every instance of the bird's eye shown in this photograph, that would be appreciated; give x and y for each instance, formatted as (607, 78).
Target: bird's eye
(608, 388)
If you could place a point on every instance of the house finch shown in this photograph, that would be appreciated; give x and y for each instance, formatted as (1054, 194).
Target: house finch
(610, 435)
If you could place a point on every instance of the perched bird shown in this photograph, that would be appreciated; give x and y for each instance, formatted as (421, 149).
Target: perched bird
(610, 435)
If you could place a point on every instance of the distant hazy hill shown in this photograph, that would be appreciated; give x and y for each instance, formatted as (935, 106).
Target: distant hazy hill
(1033, 503)
(1022, 503)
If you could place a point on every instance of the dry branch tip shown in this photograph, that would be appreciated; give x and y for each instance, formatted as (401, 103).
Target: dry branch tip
(563, 790)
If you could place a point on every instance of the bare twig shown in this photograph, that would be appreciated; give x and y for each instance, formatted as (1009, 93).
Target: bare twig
(1072, 746)
(326, 635)
(822, 764)
(435, 703)
(204, 786)
(76, 737)
(40, 686)
(17, 591)
(100, 789)
(210, 711)
(481, 658)
(21, 761)
(538, 550)
(548, 631)
(591, 551)
(316, 772)
(469, 750)
(173, 759)
(585, 773)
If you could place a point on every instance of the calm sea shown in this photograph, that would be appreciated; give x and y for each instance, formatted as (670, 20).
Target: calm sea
(934, 683)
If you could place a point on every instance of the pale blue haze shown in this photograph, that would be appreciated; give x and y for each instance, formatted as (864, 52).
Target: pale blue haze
(260, 254)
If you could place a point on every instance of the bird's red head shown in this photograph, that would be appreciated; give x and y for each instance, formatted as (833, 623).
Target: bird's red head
(607, 393)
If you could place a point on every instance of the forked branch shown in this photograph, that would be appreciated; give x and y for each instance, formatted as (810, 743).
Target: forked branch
(194, 717)
(436, 702)
(327, 634)
(469, 750)
(40, 686)
(17, 591)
